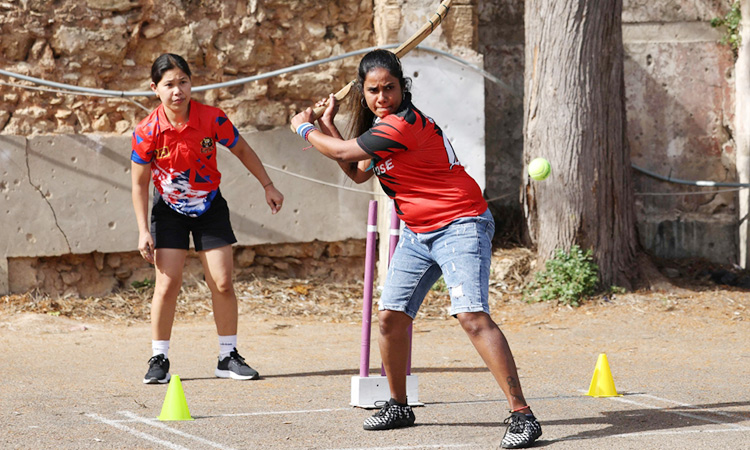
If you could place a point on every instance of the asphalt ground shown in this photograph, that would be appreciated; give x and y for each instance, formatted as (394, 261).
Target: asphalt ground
(685, 384)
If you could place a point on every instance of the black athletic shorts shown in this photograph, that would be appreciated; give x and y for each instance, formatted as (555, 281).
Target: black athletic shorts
(210, 230)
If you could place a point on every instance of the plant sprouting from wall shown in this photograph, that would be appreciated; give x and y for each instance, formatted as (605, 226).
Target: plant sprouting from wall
(731, 24)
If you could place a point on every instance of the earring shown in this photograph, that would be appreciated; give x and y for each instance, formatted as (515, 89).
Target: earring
(362, 102)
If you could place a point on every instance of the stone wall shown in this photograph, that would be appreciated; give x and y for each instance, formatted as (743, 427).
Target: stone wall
(679, 85)
(110, 44)
(68, 221)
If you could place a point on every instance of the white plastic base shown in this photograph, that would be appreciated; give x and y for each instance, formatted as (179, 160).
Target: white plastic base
(368, 390)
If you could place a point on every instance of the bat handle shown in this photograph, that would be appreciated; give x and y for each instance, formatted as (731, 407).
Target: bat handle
(340, 95)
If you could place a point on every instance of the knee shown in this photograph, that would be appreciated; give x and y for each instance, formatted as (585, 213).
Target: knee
(474, 324)
(393, 323)
(223, 287)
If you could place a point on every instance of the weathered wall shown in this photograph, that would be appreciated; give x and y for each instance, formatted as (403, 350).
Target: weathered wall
(65, 173)
(111, 45)
(680, 100)
(679, 87)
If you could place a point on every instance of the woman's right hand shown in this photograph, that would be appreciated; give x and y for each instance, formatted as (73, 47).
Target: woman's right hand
(146, 246)
(330, 112)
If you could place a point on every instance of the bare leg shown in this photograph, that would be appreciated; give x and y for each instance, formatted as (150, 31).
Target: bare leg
(218, 264)
(169, 265)
(495, 351)
(394, 350)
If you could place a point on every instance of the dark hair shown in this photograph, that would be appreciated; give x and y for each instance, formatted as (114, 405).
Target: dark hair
(362, 118)
(168, 61)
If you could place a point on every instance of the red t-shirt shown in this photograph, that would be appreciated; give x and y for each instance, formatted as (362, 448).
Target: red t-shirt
(183, 162)
(419, 170)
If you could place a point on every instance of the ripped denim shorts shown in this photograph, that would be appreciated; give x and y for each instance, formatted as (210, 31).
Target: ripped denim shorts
(460, 251)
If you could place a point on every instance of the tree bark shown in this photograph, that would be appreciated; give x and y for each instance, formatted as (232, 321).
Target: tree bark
(574, 116)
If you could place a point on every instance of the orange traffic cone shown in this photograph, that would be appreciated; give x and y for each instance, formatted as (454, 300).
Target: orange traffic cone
(602, 383)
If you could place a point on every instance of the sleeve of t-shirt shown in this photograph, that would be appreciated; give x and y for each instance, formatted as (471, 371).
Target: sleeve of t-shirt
(225, 132)
(384, 139)
(142, 145)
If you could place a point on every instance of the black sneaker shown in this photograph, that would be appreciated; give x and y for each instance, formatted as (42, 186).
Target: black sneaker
(234, 366)
(158, 370)
(522, 431)
(391, 415)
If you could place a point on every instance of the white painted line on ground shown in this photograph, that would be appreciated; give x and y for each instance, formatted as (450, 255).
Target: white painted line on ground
(687, 405)
(408, 447)
(680, 413)
(272, 413)
(148, 437)
(155, 423)
(668, 432)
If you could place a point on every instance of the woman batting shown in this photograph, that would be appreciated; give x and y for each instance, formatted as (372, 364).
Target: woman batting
(176, 147)
(448, 232)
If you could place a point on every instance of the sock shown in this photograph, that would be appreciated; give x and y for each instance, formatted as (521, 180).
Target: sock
(227, 344)
(160, 347)
(394, 402)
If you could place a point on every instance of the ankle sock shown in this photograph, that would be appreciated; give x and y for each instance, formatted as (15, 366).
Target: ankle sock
(227, 344)
(160, 347)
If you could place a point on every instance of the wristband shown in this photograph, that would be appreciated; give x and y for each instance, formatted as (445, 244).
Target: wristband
(270, 183)
(303, 129)
(307, 133)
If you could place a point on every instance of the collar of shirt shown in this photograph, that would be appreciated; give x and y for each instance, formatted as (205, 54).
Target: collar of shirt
(165, 124)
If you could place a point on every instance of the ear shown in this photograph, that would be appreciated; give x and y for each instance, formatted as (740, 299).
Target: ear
(153, 86)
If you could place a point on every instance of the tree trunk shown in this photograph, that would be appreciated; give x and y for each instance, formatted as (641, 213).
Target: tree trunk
(741, 131)
(574, 116)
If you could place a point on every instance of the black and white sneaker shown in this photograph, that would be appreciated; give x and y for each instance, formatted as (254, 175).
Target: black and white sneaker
(391, 415)
(234, 366)
(158, 370)
(522, 431)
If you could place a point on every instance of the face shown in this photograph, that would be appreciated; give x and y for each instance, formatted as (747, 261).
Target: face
(382, 92)
(174, 90)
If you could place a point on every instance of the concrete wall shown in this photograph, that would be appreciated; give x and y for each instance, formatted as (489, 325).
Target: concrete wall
(65, 172)
(71, 195)
(680, 104)
(680, 94)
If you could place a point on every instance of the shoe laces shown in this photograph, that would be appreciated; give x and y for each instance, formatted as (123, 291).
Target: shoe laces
(516, 423)
(158, 359)
(384, 406)
(235, 355)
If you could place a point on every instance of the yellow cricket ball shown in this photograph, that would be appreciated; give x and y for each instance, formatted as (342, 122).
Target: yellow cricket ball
(539, 169)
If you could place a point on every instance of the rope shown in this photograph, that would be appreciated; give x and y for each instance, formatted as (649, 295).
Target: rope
(77, 90)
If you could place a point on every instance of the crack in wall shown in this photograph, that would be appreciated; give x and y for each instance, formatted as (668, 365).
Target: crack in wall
(44, 197)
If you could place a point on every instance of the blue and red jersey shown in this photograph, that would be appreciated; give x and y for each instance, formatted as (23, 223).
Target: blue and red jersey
(183, 162)
(418, 169)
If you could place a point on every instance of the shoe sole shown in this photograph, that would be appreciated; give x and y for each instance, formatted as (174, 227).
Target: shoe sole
(164, 380)
(386, 427)
(234, 376)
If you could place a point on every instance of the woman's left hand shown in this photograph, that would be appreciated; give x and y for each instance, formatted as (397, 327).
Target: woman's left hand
(274, 198)
(304, 116)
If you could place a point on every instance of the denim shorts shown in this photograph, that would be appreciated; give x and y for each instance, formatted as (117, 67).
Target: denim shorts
(460, 251)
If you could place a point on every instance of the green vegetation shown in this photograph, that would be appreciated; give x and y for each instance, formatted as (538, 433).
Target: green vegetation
(145, 284)
(731, 23)
(440, 285)
(568, 278)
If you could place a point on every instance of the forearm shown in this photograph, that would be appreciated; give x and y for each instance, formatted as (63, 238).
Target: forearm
(329, 128)
(139, 193)
(357, 171)
(336, 148)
